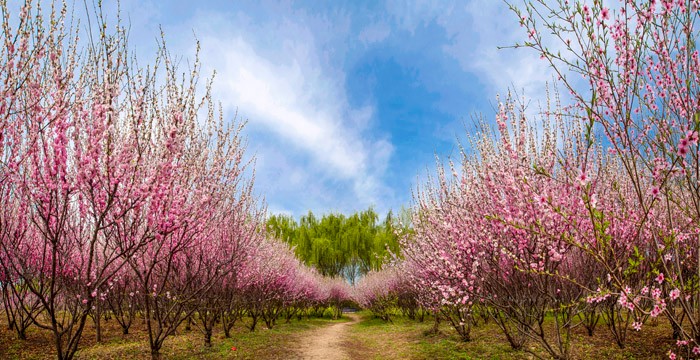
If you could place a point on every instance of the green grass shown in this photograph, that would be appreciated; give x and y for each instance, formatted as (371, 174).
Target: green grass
(370, 338)
(406, 339)
(278, 343)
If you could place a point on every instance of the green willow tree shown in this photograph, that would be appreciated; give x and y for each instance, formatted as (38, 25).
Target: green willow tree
(339, 245)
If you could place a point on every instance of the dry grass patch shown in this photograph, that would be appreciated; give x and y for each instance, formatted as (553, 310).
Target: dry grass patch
(406, 339)
(278, 343)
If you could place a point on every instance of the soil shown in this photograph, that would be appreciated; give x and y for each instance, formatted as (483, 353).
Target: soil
(327, 342)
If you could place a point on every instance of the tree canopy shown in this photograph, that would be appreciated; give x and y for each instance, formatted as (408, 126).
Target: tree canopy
(340, 245)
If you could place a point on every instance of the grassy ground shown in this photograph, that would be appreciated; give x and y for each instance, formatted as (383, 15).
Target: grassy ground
(369, 339)
(406, 339)
(278, 343)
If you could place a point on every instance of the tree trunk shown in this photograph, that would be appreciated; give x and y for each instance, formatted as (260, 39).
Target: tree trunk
(22, 334)
(436, 324)
(207, 338)
(188, 323)
(226, 325)
(98, 326)
(255, 322)
(8, 313)
(58, 343)
(155, 354)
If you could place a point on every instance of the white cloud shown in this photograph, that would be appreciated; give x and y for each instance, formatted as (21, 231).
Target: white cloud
(288, 91)
(493, 25)
(280, 97)
(476, 29)
(374, 33)
(410, 14)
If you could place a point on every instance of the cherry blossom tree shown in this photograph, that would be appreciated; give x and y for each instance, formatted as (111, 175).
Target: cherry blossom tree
(106, 164)
(376, 291)
(640, 62)
(122, 299)
(65, 176)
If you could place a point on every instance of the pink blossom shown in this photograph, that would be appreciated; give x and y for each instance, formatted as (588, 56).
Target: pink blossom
(674, 294)
(583, 178)
(637, 326)
(655, 191)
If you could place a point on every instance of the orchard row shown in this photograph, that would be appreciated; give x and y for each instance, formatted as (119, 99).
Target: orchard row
(584, 211)
(124, 194)
(122, 190)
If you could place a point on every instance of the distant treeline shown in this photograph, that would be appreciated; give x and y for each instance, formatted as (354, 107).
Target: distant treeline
(340, 245)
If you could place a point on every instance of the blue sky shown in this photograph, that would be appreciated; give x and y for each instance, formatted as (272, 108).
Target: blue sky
(347, 102)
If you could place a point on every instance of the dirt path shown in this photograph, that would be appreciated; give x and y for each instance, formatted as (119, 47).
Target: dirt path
(326, 343)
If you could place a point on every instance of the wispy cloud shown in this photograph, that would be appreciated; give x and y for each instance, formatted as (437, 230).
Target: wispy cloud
(288, 90)
(492, 26)
(347, 102)
(374, 33)
(477, 30)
